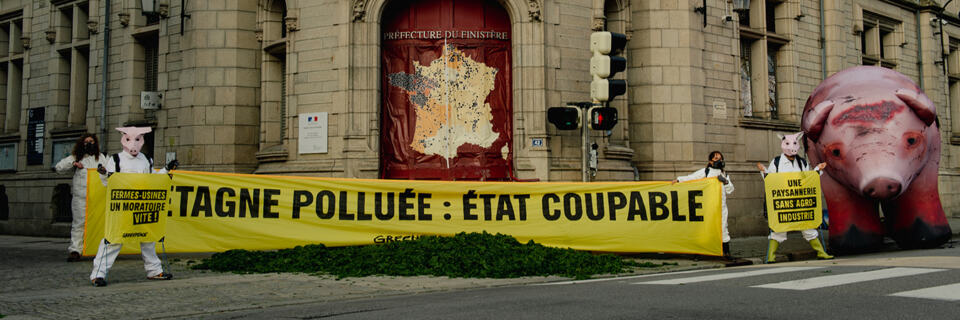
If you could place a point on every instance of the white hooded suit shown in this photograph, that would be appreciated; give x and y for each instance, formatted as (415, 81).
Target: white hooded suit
(79, 191)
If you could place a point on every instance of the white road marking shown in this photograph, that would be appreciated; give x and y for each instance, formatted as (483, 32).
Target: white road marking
(846, 278)
(730, 275)
(950, 292)
(622, 278)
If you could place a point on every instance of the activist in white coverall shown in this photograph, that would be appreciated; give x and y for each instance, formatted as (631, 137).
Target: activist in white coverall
(789, 161)
(715, 169)
(87, 150)
(131, 161)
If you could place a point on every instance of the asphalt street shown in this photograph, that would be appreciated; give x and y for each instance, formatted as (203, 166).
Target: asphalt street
(920, 284)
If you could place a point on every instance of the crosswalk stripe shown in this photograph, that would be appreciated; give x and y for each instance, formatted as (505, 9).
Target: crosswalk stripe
(847, 278)
(621, 278)
(729, 275)
(950, 292)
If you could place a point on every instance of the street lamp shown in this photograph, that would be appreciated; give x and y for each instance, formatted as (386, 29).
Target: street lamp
(148, 7)
(741, 5)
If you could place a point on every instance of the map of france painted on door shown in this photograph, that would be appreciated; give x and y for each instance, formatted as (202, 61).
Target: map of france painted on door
(449, 96)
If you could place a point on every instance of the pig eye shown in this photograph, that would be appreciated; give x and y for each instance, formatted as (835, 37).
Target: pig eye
(833, 151)
(912, 139)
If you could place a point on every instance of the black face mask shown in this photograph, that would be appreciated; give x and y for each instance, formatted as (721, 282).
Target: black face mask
(90, 149)
(718, 164)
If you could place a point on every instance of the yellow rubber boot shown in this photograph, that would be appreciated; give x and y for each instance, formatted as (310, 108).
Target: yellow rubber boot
(821, 254)
(772, 251)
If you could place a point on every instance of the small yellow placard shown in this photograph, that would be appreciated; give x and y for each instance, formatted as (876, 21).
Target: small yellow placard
(137, 205)
(793, 201)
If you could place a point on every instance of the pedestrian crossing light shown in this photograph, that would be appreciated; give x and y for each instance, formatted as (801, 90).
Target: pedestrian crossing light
(603, 118)
(565, 118)
(605, 63)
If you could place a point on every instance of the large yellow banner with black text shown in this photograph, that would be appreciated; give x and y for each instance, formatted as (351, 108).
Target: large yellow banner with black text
(793, 201)
(213, 212)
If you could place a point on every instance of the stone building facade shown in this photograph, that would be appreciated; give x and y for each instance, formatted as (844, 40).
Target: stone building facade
(236, 77)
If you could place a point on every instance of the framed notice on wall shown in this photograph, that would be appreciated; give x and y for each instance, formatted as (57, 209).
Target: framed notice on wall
(35, 128)
(8, 156)
(313, 133)
(61, 149)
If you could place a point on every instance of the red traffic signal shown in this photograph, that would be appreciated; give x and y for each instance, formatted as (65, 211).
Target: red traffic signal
(603, 118)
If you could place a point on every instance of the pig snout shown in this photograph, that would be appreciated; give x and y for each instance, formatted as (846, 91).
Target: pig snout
(882, 188)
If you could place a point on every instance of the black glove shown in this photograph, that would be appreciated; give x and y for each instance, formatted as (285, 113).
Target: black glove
(172, 165)
(722, 179)
(101, 169)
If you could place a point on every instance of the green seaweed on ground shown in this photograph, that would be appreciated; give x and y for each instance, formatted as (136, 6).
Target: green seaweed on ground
(465, 255)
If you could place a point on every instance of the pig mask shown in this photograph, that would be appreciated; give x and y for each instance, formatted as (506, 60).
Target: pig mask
(132, 139)
(790, 143)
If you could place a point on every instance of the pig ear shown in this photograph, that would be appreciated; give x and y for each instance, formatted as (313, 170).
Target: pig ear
(815, 118)
(781, 136)
(799, 136)
(920, 104)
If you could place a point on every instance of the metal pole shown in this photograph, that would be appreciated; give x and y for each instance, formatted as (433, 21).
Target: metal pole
(105, 77)
(583, 151)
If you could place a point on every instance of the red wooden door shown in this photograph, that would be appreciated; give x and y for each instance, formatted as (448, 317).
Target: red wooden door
(446, 98)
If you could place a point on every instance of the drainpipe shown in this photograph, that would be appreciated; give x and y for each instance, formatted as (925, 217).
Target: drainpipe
(106, 74)
(919, 48)
(823, 44)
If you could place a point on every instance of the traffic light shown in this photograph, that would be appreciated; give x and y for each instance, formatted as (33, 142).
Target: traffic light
(604, 64)
(603, 118)
(565, 118)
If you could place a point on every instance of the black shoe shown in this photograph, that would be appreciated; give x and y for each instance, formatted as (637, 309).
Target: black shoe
(99, 282)
(74, 257)
(161, 276)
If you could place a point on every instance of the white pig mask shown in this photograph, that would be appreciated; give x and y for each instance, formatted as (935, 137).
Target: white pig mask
(790, 143)
(132, 139)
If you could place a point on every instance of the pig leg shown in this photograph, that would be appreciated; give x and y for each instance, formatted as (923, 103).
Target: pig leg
(854, 221)
(916, 217)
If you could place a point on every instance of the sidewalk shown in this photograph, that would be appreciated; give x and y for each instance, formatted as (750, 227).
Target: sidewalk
(795, 248)
(38, 283)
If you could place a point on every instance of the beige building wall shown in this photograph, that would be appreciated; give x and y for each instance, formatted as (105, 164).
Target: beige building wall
(235, 75)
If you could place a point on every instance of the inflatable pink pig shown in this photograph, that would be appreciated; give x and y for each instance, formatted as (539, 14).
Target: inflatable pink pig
(880, 136)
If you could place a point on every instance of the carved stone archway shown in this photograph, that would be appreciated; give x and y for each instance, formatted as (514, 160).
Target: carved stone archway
(362, 133)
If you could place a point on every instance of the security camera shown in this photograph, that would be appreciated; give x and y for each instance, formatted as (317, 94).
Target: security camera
(934, 20)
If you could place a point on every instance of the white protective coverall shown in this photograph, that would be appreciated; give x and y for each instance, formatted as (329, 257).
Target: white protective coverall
(79, 191)
(786, 165)
(727, 189)
(107, 252)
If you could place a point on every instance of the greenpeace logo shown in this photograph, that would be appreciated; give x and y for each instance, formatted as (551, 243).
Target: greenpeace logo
(134, 234)
(384, 239)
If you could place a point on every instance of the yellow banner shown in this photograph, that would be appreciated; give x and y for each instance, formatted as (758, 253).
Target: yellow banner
(96, 217)
(213, 212)
(793, 201)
